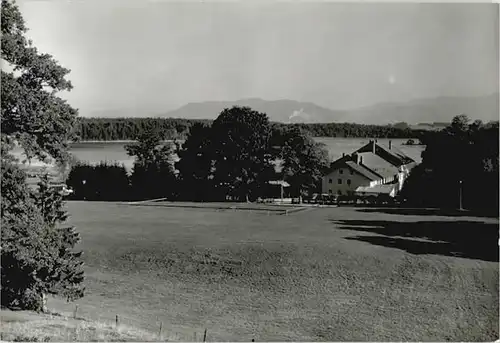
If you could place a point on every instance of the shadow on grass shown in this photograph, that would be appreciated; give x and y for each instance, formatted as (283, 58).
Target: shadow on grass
(467, 239)
(428, 212)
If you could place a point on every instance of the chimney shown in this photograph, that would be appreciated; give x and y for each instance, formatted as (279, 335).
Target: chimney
(343, 154)
(390, 145)
(355, 157)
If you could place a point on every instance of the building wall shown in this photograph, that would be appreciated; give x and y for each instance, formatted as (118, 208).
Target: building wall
(346, 174)
(402, 176)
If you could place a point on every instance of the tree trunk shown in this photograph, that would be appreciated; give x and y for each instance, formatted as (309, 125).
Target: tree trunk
(43, 303)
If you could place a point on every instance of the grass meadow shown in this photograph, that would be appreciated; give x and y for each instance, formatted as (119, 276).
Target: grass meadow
(24, 326)
(323, 274)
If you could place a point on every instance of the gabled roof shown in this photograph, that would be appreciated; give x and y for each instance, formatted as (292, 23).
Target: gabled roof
(392, 155)
(347, 161)
(363, 171)
(338, 163)
(384, 163)
(377, 164)
(396, 153)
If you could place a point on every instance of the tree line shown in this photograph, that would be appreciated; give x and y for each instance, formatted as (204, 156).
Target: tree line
(109, 129)
(112, 129)
(234, 158)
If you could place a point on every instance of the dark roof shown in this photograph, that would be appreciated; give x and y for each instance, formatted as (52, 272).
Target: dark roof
(338, 163)
(394, 155)
(363, 171)
(405, 159)
(378, 165)
(348, 161)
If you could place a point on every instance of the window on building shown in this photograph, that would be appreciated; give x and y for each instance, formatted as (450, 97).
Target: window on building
(341, 171)
(348, 181)
(339, 181)
(329, 180)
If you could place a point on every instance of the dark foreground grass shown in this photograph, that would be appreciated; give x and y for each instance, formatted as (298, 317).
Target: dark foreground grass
(312, 275)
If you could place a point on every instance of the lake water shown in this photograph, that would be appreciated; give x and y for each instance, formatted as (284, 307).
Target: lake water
(94, 152)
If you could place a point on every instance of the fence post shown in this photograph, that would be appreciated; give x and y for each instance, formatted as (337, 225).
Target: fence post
(159, 334)
(205, 335)
(116, 322)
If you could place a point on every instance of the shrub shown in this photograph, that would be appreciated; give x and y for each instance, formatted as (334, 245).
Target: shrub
(102, 182)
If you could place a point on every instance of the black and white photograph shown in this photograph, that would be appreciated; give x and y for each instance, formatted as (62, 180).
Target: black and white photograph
(217, 171)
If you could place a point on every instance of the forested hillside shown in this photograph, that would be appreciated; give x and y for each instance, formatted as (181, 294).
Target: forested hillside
(109, 129)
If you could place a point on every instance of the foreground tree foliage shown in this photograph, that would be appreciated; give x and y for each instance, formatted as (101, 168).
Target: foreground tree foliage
(460, 161)
(153, 175)
(36, 253)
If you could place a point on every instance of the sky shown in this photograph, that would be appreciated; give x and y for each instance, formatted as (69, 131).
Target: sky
(149, 57)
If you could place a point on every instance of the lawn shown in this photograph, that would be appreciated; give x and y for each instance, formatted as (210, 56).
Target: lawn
(331, 274)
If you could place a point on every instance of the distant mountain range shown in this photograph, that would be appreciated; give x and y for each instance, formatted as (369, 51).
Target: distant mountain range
(284, 111)
(441, 109)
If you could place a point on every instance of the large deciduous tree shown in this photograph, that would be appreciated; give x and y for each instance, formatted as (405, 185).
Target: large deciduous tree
(240, 144)
(304, 161)
(36, 253)
(32, 114)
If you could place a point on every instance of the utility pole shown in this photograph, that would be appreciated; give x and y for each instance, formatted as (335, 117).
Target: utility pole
(460, 195)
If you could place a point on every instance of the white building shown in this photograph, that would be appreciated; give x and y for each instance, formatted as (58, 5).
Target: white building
(374, 169)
